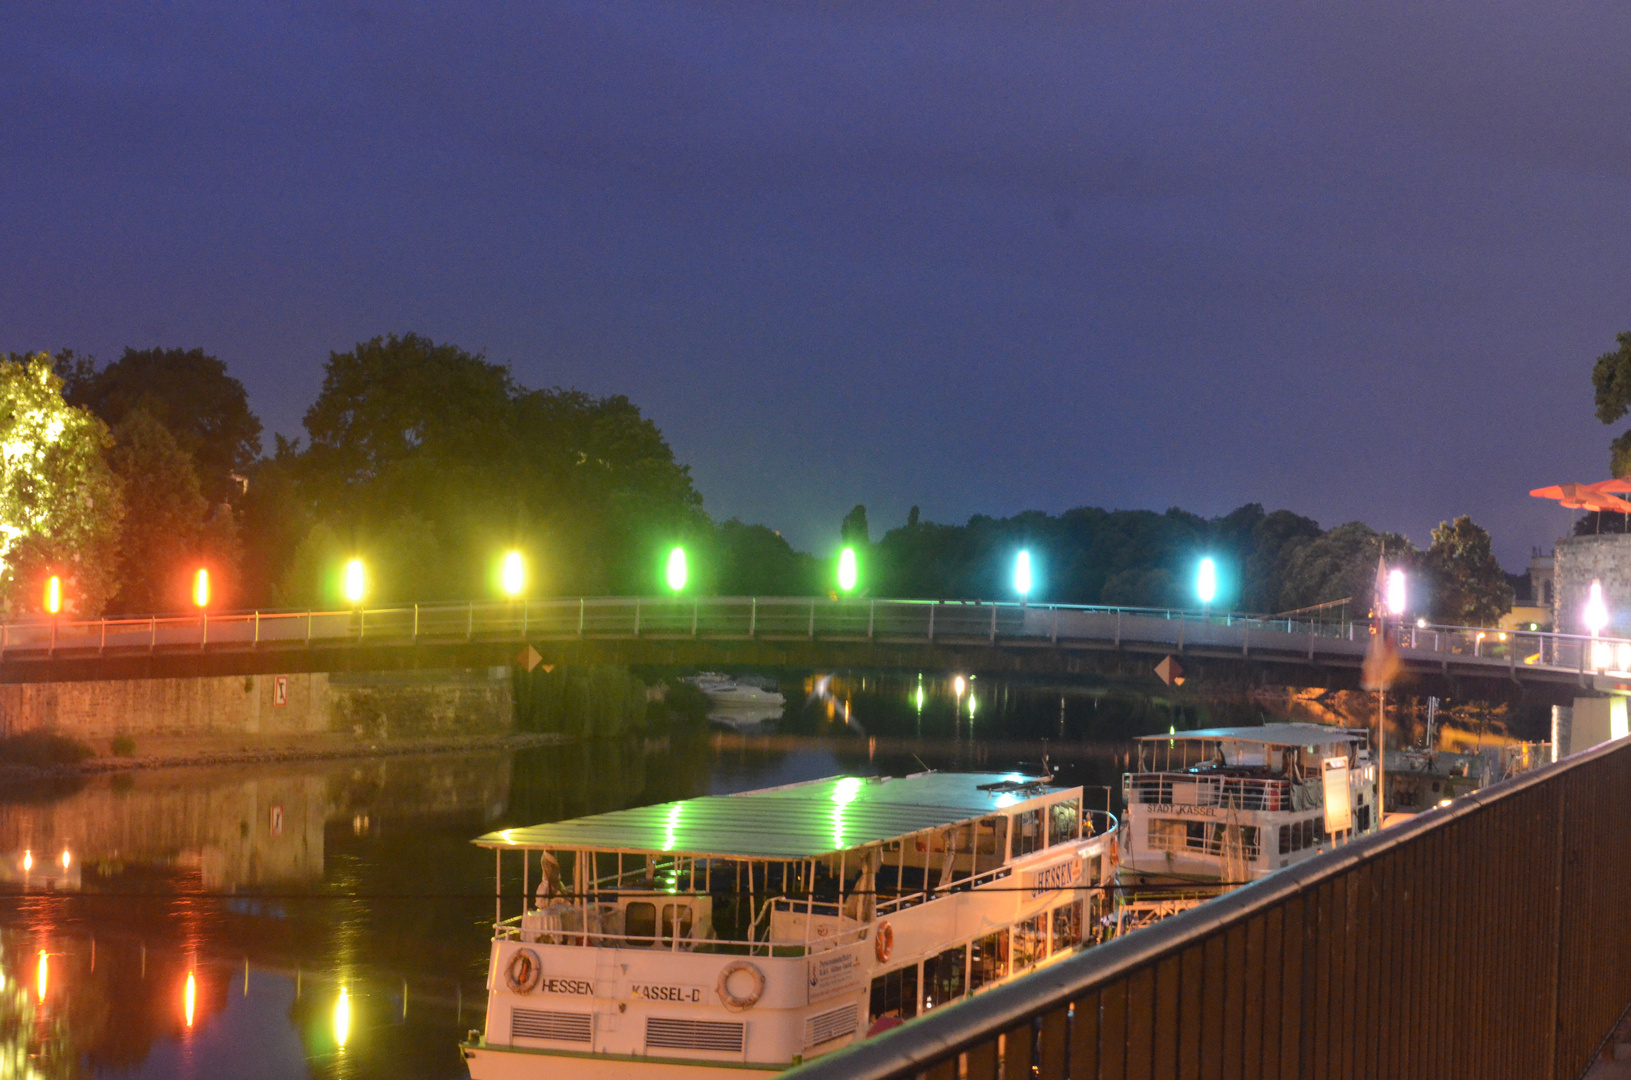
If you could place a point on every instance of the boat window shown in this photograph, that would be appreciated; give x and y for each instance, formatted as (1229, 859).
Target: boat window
(1167, 834)
(987, 960)
(894, 993)
(1095, 869)
(640, 920)
(990, 843)
(1027, 832)
(943, 977)
(1067, 927)
(1064, 821)
(1030, 942)
(685, 920)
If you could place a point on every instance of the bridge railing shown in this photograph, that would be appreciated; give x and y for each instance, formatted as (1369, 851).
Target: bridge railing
(791, 618)
(1487, 938)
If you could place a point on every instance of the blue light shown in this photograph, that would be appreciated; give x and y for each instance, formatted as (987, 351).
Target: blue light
(1022, 574)
(1206, 581)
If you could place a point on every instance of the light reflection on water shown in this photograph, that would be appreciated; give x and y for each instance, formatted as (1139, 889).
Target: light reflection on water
(330, 919)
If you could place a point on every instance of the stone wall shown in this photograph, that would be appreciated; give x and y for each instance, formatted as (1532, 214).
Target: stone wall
(1579, 561)
(371, 706)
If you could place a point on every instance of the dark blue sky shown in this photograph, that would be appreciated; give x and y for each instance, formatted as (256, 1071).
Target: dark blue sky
(1350, 259)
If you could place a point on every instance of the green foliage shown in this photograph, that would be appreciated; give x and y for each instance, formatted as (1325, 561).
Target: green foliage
(42, 749)
(123, 746)
(427, 460)
(853, 529)
(60, 505)
(1342, 564)
(186, 390)
(169, 529)
(1469, 587)
(751, 560)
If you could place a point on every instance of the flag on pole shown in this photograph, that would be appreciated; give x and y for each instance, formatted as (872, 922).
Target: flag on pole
(1382, 658)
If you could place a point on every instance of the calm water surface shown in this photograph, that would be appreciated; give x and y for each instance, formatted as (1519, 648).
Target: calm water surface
(332, 918)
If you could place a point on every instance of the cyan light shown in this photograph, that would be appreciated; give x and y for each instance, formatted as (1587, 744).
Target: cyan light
(1206, 581)
(1022, 574)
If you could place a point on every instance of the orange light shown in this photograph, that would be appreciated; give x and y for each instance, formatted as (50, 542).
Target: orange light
(65, 858)
(201, 588)
(191, 994)
(53, 594)
(43, 973)
(28, 861)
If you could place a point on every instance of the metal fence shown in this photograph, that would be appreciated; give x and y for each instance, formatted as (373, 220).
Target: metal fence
(1487, 939)
(729, 618)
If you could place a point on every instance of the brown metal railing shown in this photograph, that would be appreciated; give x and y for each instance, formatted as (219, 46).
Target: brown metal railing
(1488, 939)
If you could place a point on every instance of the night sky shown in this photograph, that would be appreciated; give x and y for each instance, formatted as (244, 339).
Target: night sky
(1354, 260)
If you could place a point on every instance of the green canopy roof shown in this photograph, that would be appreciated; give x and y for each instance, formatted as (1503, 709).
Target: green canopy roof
(1269, 734)
(798, 821)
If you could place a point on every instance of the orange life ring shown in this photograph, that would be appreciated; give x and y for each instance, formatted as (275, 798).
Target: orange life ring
(883, 943)
(521, 974)
(1115, 854)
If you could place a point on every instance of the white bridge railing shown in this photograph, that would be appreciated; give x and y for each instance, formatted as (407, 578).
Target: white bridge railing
(730, 618)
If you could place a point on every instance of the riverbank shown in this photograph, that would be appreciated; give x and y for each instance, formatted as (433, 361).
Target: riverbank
(161, 753)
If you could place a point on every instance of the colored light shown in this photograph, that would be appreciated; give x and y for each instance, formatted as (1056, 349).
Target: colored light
(1596, 609)
(513, 574)
(677, 571)
(847, 573)
(189, 997)
(28, 861)
(1396, 594)
(920, 698)
(201, 588)
(1206, 581)
(342, 1019)
(42, 976)
(356, 581)
(53, 594)
(65, 859)
(846, 790)
(1022, 574)
(958, 685)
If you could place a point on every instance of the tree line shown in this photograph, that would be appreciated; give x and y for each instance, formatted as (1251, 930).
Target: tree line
(428, 461)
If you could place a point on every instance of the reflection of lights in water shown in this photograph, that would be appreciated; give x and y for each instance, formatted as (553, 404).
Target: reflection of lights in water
(191, 996)
(28, 861)
(65, 858)
(342, 1018)
(919, 697)
(44, 974)
(958, 685)
(971, 700)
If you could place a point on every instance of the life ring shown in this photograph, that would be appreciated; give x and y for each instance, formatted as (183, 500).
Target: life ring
(1115, 854)
(522, 972)
(739, 1002)
(883, 943)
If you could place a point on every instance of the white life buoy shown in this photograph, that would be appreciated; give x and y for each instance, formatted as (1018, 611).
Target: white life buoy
(521, 974)
(733, 1000)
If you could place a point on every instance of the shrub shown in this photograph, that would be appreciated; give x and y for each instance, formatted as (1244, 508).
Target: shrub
(123, 745)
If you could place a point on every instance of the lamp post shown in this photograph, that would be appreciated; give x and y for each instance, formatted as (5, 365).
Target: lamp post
(848, 572)
(1206, 584)
(1022, 577)
(1596, 617)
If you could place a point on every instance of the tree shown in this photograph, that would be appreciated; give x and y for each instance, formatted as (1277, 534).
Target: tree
(186, 390)
(1469, 587)
(169, 530)
(60, 505)
(853, 528)
(1341, 564)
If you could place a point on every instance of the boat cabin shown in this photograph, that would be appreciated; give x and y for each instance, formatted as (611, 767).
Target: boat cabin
(1227, 805)
(822, 908)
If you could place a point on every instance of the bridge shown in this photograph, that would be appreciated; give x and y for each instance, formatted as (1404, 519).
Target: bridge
(1486, 938)
(973, 636)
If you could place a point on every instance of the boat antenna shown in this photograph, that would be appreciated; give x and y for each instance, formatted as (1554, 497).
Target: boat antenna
(920, 762)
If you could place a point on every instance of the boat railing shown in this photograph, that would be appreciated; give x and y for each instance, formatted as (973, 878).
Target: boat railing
(566, 925)
(1229, 792)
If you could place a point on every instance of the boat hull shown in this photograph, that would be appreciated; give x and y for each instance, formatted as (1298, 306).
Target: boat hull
(515, 1063)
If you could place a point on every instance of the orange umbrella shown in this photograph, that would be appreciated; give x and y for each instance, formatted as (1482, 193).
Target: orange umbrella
(1586, 496)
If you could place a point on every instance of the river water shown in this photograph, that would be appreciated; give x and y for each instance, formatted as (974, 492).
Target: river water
(331, 919)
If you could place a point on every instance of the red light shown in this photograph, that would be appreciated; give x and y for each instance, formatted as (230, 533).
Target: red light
(53, 594)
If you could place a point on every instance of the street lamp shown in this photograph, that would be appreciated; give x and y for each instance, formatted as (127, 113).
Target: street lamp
(848, 573)
(677, 572)
(53, 595)
(1396, 593)
(1022, 576)
(512, 574)
(356, 582)
(1206, 581)
(201, 588)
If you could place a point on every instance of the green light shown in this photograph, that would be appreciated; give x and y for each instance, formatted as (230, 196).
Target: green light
(847, 573)
(846, 790)
(671, 826)
(356, 581)
(1022, 574)
(677, 571)
(1206, 581)
(920, 697)
(513, 574)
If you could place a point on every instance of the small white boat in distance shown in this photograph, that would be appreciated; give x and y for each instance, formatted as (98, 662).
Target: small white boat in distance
(1228, 805)
(725, 693)
(730, 936)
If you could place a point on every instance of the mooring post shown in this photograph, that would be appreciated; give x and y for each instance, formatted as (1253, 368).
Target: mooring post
(580, 616)
(695, 606)
(932, 605)
(753, 617)
(636, 616)
(812, 620)
(871, 618)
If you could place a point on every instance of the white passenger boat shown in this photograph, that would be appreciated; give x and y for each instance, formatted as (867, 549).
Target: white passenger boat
(737, 935)
(1228, 805)
(727, 693)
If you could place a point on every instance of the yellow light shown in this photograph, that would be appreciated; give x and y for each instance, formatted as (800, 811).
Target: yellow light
(42, 976)
(342, 1019)
(53, 594)
(958, 686)
(28, 861)
(190, 995)
(356, 581)
(201, 588)
(513, 575)
(65, 858)
(920, 697)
